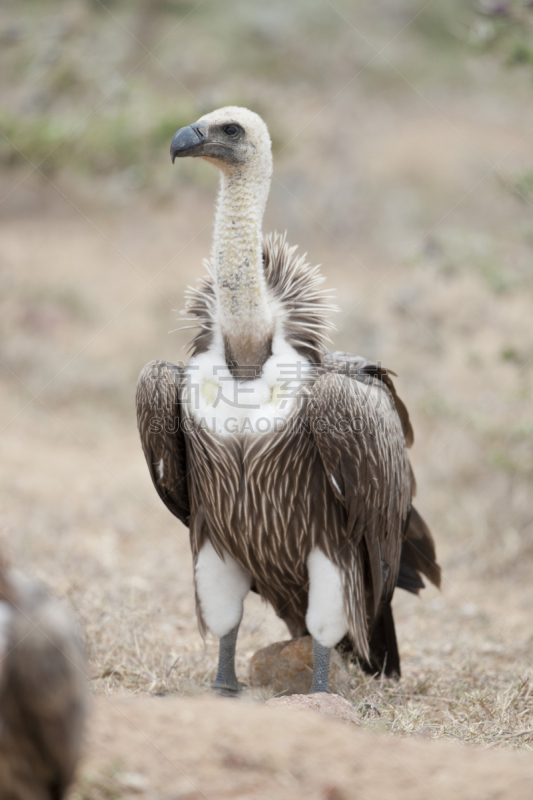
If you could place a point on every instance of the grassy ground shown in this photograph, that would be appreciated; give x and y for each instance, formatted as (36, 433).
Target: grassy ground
(407, 175)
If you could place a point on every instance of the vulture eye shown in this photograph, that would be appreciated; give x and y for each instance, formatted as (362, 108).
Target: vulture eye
(231, 130)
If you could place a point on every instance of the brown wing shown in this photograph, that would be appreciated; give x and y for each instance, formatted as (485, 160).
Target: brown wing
(359, 435)
(163, 442)
(418, 550)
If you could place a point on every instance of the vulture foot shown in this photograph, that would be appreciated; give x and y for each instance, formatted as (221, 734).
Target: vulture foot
(320, 668)
(224, 690)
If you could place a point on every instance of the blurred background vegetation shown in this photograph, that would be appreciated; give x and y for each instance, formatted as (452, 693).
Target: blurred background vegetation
(402, 135)
(99, 86)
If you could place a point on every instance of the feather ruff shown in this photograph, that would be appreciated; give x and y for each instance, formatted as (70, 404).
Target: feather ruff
(302, 308)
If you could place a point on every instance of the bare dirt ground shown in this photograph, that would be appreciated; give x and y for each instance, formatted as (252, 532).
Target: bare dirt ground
(407, 178)
(215, 748)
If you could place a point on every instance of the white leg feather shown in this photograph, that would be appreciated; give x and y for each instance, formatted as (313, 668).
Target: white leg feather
(326, 617)
(222, 586)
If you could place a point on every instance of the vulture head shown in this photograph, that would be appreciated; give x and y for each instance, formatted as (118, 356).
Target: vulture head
(231, 138)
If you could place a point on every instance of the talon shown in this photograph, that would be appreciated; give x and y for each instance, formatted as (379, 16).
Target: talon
(225, 691)
(226, 688)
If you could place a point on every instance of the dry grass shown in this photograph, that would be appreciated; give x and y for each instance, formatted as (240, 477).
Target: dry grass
(431, 255)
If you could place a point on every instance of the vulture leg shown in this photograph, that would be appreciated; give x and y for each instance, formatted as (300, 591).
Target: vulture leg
(221, 586)
(320, 668)
(326, 616)
(226, 682)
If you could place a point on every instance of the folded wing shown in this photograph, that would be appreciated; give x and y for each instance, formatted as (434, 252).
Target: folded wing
(418, 556)
(362, 430)
(361, 441)
(159, 419)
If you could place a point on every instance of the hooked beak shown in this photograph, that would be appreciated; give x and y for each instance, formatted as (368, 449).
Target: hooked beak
(188, 141)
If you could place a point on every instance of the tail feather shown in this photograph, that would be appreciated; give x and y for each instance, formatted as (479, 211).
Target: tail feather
(384, 655)
(383, 646)
(418, 556)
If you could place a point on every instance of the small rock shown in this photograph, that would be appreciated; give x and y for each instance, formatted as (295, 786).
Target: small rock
(286, 667)
(332, 704)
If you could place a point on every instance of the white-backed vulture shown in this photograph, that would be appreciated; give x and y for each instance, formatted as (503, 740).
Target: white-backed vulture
(42, 692)
(288, 463)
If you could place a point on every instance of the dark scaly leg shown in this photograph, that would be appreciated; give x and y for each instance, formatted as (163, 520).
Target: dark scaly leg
(320, 668)
(226, 682)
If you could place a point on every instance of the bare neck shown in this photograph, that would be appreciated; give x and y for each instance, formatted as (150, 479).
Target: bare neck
(243, 311)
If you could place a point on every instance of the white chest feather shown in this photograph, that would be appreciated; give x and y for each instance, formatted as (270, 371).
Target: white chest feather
(225, 405)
